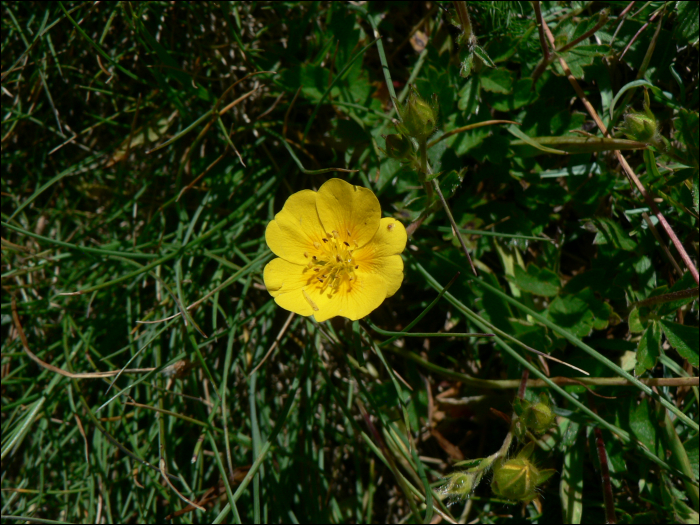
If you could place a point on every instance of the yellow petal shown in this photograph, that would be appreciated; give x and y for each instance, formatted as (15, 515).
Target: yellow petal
(295, 228)
(380, 255)
(294, 287)
(390, 238)
(351, 211)
(354, 300)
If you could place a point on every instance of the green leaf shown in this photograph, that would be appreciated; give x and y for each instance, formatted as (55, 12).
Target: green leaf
(580, 144)
(479, 51)
(684, 339)
(688, 22)
(522, 96)
(684, 283)
(592, 50)
(571, 313)
(534, 142)
(467, 62)
(630, 85)
(537, 281)
(634, 322)
(649, 349)
(497, 80)
(469, 96)
(610, 232)
(642, 424)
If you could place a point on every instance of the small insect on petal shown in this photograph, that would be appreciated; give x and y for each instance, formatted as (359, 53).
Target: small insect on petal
(308, 299)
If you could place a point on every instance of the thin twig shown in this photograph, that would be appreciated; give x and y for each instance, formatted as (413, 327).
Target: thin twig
(60, 371)
(277, 341)
(540, 24)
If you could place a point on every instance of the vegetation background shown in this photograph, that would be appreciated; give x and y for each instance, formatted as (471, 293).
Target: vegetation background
(146, 145)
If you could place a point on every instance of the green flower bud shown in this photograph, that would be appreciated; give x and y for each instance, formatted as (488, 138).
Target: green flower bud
(518, 478)
(536, 418)
(398, 146)
(418, 117)
(640, 127)
(459, 485)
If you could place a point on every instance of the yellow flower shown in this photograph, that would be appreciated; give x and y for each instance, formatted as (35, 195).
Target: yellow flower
(337, 256)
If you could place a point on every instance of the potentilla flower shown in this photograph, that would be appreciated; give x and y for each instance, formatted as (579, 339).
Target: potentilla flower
(336, 254)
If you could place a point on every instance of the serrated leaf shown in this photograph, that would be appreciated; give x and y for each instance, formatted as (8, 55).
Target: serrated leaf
(539, 281)
(572, 313)
(497, 80)
(610, 232)
(467, 62)
(479, 51)
(684, 339)
(688, 26)
(592, 50)
(642, 424)
(469, 96)
(634, 322)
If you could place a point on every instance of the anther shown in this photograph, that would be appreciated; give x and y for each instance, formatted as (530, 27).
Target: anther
(324, 239)
(313, 257)
(346, 244)
(335, 234)
(317, 245)
(337, 258)
(348, 232)
(320, 278)
(306, 254)
(356, 267)
(355, 243)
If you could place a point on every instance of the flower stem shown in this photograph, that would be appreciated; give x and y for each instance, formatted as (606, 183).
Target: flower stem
(425, 168)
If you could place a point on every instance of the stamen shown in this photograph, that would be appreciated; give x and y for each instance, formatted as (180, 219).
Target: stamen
(313, 257)
(337, 258)
(346, 244)
(317, 245)
(355, 243)
(306, 254)
(348, 232)
(356, 267)
(335, 234)
(308, 299)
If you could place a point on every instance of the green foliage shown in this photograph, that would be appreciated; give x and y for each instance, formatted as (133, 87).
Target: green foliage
(146, 146)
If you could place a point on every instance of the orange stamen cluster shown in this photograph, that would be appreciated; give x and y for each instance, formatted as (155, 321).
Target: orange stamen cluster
(334, 264)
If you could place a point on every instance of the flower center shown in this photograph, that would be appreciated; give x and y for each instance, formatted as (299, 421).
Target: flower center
(334, 264)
